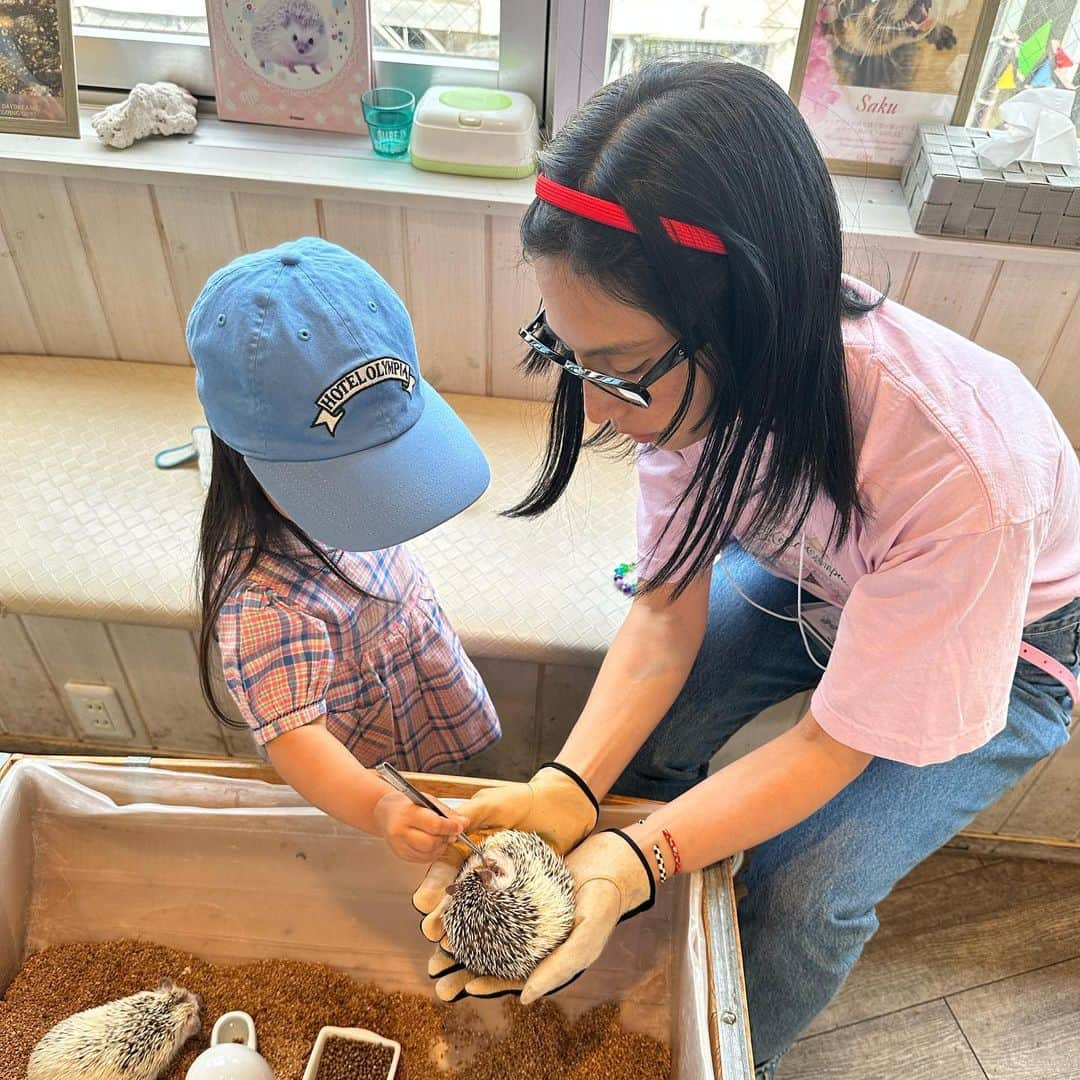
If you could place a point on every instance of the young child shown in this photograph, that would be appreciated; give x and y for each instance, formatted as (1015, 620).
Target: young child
(330, 451)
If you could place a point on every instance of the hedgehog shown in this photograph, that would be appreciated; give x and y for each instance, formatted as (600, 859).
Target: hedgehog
(509, 907)
(290, 33)
(135, 1038)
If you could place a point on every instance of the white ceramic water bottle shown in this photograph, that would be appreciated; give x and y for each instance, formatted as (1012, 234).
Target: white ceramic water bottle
(233, 1053)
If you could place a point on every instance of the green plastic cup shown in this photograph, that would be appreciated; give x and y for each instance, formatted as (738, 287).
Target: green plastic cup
(388, 113)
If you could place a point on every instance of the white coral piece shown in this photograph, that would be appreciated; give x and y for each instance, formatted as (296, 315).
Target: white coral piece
(150, 109)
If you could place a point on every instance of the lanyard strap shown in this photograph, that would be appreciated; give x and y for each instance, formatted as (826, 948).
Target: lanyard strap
(1052, 667)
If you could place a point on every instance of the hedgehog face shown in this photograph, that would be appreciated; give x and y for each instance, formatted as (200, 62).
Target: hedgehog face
(188, 1010)
(185, 1008)
(494, 872)
(306, 36)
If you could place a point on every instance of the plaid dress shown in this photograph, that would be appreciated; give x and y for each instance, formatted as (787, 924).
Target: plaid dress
(385, 672)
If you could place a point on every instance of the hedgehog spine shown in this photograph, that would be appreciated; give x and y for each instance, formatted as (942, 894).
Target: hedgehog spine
(503, 922)
(134, 1038)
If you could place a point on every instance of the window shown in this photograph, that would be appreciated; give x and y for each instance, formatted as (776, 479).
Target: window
(416, 42)
(146, 16)
(461, 28)
(509, 43)
(1033, 43)
(597, 40)
(762, 33)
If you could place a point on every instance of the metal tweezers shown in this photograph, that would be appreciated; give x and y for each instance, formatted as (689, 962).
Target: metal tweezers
(399, 783)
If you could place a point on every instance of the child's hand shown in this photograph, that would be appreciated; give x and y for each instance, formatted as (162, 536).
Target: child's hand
(413, 832)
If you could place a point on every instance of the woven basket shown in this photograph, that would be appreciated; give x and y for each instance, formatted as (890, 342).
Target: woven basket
(951, 193)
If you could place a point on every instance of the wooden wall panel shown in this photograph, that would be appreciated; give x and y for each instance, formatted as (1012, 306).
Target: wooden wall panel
(449, 298)
(877, 265)
(28, 704)
(513, 687)
(563, 693)
(1028, 307)
(77, 650)
(18, 331)
(160, 666)
(123, 248)
(201, 235)
(48, 248)
(269, 220)
(950, 290)
(237, 739)
(375, 233)
(459, 274)
(514, 300)
(1060, 382)
(153, 669)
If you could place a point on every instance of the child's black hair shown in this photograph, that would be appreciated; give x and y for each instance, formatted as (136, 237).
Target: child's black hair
(720, 145)
(240, 525)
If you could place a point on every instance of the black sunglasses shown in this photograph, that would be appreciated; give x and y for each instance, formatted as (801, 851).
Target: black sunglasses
(539, 337)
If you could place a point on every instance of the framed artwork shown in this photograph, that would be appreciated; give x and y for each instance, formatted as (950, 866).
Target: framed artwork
(299, 63)
(39, 94)
(868, 72)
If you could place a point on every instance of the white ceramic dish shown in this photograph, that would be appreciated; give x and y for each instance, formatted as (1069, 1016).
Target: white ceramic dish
(352, 1035)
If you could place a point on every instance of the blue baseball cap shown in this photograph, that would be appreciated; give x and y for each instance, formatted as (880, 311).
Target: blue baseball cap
(306, 365)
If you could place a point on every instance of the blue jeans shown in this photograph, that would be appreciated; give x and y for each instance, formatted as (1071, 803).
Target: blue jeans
(811, 891)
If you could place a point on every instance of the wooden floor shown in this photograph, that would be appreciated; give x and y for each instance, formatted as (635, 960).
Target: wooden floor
(974, 975)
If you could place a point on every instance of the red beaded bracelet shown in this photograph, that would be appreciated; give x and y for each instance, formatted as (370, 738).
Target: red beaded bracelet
(674, 851)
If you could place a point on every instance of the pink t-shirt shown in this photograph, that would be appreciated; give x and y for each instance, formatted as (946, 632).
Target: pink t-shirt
(974, 532)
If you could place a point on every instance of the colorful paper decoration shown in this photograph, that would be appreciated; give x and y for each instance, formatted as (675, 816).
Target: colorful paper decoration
(1043, 74)
(1062, 59)
(1033, 50)
(1007, 80)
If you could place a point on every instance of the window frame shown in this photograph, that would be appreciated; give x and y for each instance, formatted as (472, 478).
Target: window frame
(113, 60)
(577, 56)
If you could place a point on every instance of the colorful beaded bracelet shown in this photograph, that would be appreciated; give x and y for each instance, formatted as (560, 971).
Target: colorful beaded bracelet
(628, 587)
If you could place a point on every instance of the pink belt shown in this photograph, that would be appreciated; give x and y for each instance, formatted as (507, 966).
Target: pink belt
(1052, 668)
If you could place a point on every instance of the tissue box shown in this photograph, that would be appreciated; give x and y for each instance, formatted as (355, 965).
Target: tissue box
(951, 193)
(476, 132)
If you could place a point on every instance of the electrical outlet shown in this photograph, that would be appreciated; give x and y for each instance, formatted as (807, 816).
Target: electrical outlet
(98, 712)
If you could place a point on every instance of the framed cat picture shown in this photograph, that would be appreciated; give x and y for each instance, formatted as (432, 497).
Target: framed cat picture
(298, 63)
(39, 94)
(868, 72)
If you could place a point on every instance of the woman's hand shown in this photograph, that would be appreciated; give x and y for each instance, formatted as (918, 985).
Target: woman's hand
(556, 804)
(413, 832)
(612, 881)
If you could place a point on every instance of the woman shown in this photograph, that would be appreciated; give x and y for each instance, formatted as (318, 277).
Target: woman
(828, 445)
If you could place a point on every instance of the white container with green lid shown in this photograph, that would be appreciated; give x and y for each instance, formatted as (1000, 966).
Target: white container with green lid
(475, 131)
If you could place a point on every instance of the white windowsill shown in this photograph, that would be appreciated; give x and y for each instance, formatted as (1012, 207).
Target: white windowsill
(256, 157)
(252, 157)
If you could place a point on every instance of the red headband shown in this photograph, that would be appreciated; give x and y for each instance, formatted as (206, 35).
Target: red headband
(610, 213)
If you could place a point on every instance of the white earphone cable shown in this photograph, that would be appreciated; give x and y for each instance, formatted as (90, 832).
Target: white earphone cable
(797, 617)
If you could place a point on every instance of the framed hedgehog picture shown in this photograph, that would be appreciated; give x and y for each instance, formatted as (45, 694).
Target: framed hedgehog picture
(298, 63)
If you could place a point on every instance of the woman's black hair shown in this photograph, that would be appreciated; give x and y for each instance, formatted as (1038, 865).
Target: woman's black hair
(239, 526)
(720, 145)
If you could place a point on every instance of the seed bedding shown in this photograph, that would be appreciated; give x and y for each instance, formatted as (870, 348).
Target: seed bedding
(290, 1001)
